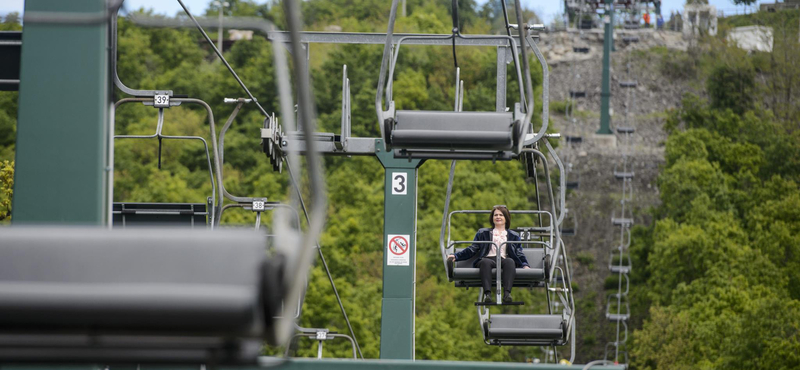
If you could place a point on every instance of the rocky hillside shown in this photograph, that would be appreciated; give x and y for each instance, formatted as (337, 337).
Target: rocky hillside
(594, 159)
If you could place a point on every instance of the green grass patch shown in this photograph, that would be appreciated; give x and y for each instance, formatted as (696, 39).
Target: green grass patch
(586, 259)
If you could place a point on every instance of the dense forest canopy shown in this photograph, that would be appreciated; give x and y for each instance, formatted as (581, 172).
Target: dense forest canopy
(717, 284)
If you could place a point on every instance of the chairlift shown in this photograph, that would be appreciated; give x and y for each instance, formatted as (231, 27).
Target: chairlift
(575, 183)
(619, 262)
(321, 336)
(511, 329)
(614, 348)
(577, 94)
(551, 329)
(623, 175)
(161, 102)
(132, 296)
(573, 139)
(621, 221)
(631, 25)
(571, 228)
(614, 311)
(538, 246)
(167, 214)
(456, 134)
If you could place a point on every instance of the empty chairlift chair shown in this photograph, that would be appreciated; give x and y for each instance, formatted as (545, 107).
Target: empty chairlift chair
(617, 307)
(630, 39)
(622, 221)
(632, 25)
(161, 214)
(521, 330)
(569, 226)
(623, 175)
(619, 262)
(577, 94)
(172, 214)
(450, 134)
(136, 296)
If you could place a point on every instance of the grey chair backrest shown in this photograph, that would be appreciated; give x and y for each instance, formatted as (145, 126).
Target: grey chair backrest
(454, 130)
(166, 283)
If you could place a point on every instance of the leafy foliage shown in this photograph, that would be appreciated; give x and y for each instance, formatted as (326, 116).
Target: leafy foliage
(352, 242)
(720, 264)
(722, 256)
(6, 190)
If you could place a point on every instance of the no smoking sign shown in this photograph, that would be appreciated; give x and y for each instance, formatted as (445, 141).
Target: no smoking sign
(397, 247)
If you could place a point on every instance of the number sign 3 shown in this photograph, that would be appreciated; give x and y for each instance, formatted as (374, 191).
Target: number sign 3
(399, 183)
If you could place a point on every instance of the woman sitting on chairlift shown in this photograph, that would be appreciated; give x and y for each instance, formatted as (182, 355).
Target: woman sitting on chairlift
(511, 255)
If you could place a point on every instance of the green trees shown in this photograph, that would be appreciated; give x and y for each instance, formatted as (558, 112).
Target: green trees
(722, 258)
(732, 83)
(6, 190)
(352, 242)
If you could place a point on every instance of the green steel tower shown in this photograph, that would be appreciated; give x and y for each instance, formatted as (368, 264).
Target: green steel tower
(608, 42)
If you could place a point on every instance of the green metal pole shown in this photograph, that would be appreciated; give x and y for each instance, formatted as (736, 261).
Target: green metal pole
(399, 254)
(605, 97)
(62, 134)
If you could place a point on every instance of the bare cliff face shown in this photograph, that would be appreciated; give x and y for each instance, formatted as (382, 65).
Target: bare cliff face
(594, 160)
(557, 46)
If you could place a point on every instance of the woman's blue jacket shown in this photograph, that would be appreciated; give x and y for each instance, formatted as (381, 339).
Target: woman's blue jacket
(483, 235)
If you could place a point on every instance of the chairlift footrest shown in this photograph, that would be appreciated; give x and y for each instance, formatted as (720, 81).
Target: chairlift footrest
(499, 304)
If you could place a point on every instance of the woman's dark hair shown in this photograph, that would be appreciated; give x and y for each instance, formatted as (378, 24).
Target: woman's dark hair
(507, 215)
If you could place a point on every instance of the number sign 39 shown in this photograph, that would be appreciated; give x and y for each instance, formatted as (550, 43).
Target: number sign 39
(399, 183)
(161, 101)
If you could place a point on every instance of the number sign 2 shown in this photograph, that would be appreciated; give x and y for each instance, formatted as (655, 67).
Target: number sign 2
(399, 183)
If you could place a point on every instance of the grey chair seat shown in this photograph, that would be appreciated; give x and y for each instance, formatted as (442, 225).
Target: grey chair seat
(625, 130)
(623, 175)
(534, 329)
(613, 317)
(622, 221)
(619, 269)
(465, 275)
(525, 276)
(577, 94)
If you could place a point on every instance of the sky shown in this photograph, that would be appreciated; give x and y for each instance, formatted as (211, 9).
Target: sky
(547, 9)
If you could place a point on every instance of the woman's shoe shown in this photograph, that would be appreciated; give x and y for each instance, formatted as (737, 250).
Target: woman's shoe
(507, 297)
(487, 297)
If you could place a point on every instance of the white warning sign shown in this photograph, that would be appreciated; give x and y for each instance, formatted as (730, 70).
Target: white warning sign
(397, 250)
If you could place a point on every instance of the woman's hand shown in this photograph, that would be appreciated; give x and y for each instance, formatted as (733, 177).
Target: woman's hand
(451, 257)
(525, 267)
